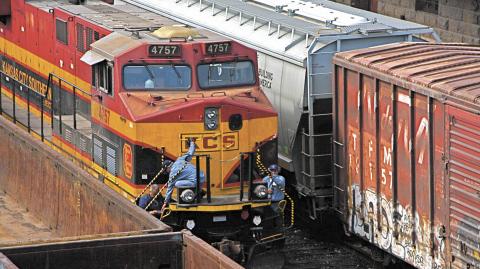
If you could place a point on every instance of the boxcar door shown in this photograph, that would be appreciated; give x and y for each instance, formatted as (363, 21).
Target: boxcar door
(464, 186)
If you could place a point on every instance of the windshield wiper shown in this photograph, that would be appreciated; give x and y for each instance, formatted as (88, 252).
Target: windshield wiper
(176, 71)
(149, 71)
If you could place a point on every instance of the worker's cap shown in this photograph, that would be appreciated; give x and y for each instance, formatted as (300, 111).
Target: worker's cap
(273, 168)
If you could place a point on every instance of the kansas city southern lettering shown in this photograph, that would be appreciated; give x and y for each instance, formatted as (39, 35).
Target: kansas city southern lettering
(24, 78)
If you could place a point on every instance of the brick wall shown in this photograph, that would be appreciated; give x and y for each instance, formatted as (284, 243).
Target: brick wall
(457, 20)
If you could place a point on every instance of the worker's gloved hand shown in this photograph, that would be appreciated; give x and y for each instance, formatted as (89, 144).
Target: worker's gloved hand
(155, 213)
(192, 140)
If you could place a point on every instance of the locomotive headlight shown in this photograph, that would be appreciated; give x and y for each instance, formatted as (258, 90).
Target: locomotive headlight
(187, 196)
(190, 224)
(260, 191)
(211, 118)
(257, 220)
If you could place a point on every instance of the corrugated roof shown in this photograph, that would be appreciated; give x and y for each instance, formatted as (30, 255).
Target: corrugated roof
(452, 69)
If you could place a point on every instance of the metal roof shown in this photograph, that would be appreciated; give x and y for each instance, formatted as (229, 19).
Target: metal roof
(122, 18)
(449, 69)
(280, 28)
(339, 14)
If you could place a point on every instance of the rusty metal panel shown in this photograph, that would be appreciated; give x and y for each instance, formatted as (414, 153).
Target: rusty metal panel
(340, 161)
(59, 193)
(440, 183)
(464, 187)
(353, 155)
(145, 249)
(199, 254)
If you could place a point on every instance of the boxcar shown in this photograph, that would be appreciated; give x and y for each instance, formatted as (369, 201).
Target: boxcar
(407, 150)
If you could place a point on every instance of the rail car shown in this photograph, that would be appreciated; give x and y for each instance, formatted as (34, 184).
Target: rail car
(122, 89)
(407, 138)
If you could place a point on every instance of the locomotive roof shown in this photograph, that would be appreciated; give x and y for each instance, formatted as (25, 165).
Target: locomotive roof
(122, 18)
(447, 70)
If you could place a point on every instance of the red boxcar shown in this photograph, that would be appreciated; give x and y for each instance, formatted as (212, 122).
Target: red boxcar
(407, 150)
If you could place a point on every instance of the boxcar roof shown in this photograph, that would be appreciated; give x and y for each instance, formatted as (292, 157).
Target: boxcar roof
(122, 18)
(448, 70)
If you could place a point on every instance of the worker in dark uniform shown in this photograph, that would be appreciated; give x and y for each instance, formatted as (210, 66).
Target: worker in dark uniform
(155, 205)
(275, 186)
(182, 173)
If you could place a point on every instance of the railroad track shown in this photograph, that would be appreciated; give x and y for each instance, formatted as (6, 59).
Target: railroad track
(303, 250)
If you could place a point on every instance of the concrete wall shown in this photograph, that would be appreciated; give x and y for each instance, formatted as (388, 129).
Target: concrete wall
(457, 20)
(64, 197)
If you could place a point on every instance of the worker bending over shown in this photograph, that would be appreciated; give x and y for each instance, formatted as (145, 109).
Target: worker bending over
(182, 173)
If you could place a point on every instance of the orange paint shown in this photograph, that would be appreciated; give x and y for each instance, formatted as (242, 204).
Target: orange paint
(127, 160)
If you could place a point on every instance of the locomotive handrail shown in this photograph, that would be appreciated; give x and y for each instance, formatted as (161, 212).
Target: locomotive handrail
(29, 90)
(68, 83)
(74, 89)
(214, 94)
(192, 95)
(42, 111)
(207, 176)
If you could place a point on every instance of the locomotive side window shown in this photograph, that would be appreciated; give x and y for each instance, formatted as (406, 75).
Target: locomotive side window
(61, 31)
(104, 77)
(227, 74)
(157, 77)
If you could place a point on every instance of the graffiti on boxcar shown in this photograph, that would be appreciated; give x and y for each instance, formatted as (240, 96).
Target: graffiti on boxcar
(421, 139)
(392, 229)
(354, 160)
(386, 173)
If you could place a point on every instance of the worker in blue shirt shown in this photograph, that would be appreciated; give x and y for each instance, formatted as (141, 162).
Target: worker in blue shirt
(275, 185)
(182, 173)
(155, 205)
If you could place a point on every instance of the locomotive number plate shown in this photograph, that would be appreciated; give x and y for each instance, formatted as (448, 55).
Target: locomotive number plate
(164, 51)
(219, 218)
(219, 48)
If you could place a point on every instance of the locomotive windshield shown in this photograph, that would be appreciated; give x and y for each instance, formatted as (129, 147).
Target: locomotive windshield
(157, 77)
(225, 74)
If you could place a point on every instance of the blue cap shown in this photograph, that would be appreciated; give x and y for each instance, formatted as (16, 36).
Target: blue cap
(273, 167)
